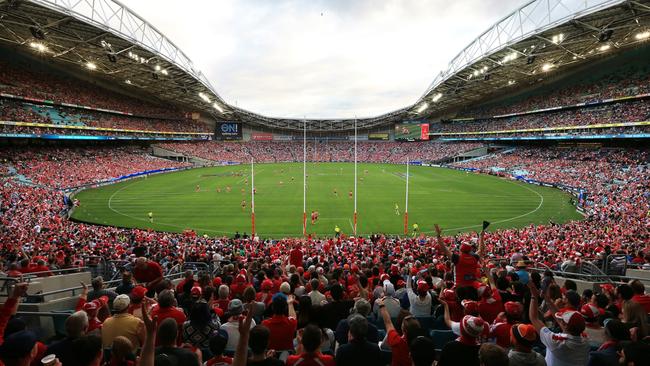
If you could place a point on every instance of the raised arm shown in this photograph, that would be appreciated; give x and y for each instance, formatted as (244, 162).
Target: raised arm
(441, 242)
(481, 244)
(241, 353)
(533, 310)
(447, 315)
(147, 353)
(292, 311)
(388, 324)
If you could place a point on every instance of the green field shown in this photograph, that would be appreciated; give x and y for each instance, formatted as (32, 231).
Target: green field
(458, 201)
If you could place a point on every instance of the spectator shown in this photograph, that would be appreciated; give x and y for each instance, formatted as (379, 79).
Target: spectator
(168, 353)
(358, 350)
(258, 343)
(399, 345)
(123, 324)
(361, 307)
(523, 338)
(492, 355)
(75, 327)
(308, 351)
(464, 350)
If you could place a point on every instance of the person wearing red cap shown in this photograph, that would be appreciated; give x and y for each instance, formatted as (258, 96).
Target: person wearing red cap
(466, 263)
(464, 350)
(490, 304)
(567, 348)
(594, 331)
(421, 300)
(522, 338)
(500, 329)
(265, 296)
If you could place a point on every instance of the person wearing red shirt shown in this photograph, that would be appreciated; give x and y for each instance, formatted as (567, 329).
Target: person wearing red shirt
(295, 256)
(308, 351)
(282, 324)
(502, 324)
(466, 263)
(490, 304)
(399, 345)
(148, 272)
(640, 296)
(166, 309)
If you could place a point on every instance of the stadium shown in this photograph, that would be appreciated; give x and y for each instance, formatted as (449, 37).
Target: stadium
(502, 217)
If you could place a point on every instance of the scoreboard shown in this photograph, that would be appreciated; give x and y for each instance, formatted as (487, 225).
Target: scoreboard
(228, 131)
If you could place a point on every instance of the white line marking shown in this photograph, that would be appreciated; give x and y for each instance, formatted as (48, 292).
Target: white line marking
(541, 202)
(351, 226)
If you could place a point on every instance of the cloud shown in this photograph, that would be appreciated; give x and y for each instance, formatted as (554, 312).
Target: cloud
(321, 59)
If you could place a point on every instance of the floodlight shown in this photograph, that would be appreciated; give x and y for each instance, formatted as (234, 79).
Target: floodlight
(423, 107)
(436, 97)
(164, 72)
(204, 97)
(547, 67)
(128, 81)
(510, 82)
(157, 67)
(642, 35)
(217, 107)
(604, 47)
(38, 46)
(91, 65)
(558, 38)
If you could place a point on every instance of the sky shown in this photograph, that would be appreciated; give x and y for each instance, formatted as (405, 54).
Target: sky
(321, 59)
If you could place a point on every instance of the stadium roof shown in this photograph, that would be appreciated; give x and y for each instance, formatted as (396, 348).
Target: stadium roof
(541, 36)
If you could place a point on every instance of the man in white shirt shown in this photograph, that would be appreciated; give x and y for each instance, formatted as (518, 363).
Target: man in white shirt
(567, 348)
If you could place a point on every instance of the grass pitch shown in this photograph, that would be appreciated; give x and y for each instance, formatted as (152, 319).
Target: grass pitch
(456, 200)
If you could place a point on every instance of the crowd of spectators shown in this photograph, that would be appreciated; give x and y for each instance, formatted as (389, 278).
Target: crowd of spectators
(320, 151)
(35, 81)
(16, 111)
(62, 168)
(604, 114)
(628, 80)
(340, 300)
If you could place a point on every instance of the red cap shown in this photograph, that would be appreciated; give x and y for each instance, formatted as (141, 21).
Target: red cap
(138, 292)
(196, 291)
(591, 312)
(267, 285)
(514, 308)
(471, 307)
(422, 286)
(573, 319)
(103, 300)
(90, 306)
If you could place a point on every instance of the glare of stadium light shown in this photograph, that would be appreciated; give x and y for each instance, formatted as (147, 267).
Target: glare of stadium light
(604, 47)
(38, 46)
(510, 82)
(436, 97)
(128, 81)
(509, 57)
(558, 38)
(423, 107)
(158, 67)
(547, 67)
(164, 72)
(91, 65)
(217, 107)
(475, 72)
(575, 57)
(484, 68)
(204, 97)
(642, 35)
